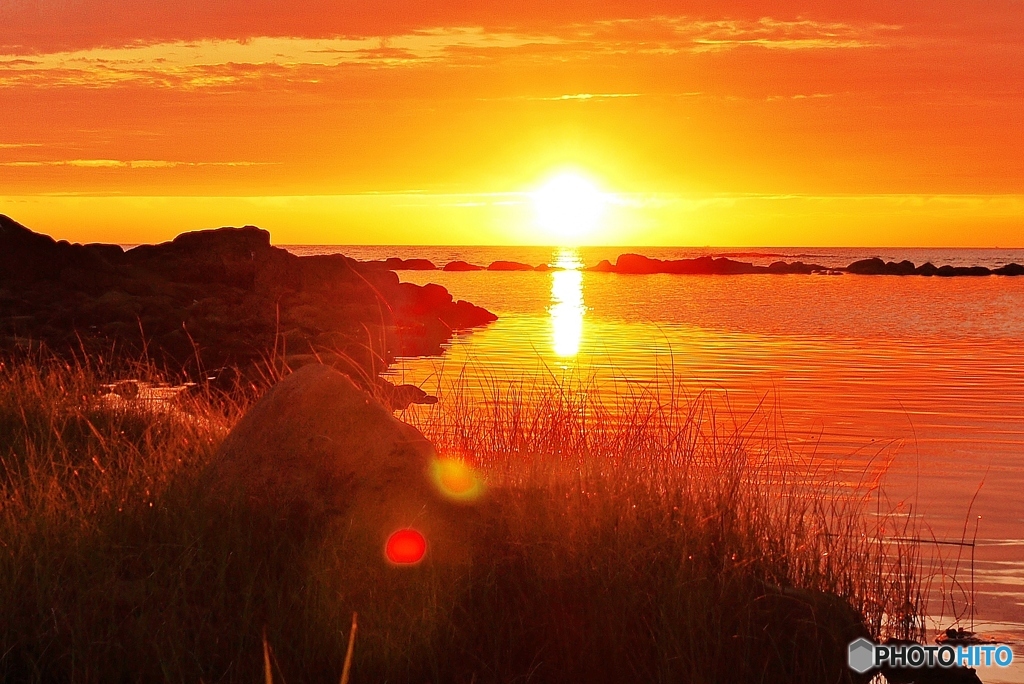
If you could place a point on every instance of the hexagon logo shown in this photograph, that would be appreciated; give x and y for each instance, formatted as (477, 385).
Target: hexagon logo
(861, 656)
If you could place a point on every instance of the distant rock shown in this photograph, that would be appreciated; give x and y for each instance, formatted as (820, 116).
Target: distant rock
(396, 264)
(876, 266)
(1010, 270)
(638, 264)
(798, 267)
(217, 298)
(461, 266)
(316, 449)
(707, 265)
(509, 266)
(971, 271)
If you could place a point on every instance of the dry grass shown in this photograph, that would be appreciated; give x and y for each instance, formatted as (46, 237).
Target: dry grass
(648, 540)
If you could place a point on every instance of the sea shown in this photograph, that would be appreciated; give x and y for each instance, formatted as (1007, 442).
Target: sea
(918, 378)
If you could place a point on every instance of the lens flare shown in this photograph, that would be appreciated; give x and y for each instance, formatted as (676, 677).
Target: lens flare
(405, 547)
(455, 480)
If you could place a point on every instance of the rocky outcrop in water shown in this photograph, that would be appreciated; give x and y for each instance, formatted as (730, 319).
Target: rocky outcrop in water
(878, 267)
(509, 266)
(461, 266)
(396, 264)
(217, 298)
(638, 264)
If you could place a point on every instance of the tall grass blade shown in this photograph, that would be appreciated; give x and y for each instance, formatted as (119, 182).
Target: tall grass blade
(351, 648)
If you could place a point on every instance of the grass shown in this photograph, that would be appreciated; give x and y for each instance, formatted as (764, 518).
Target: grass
(647, 539)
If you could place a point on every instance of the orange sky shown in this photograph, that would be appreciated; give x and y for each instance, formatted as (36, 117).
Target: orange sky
(726, 123)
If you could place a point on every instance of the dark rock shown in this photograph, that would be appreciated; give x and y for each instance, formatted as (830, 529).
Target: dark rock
(463, 315)
(316, 449)
(396, 264)
(26, 256)
(798, 267)
(951, 271)
(1010, 270)
(542, 267)
(723, 266)
(223, 256)
(808, 632)
(509, 266)
(973, 271)
(706, 265)
(217, 298)
(461, 266)
(873, 266)
(902, 268)
(637, 264)
(400, 397)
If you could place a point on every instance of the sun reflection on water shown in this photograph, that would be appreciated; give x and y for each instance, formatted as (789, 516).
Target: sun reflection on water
(567, 307)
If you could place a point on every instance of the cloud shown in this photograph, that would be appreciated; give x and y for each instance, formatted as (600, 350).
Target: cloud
(587, 96)
(213, 63)
(125, 164)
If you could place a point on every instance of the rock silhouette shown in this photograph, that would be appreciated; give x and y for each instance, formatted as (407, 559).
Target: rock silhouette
(462, 266)
(396, 264)
(217, 298)
(706, 265)
(316, 448)
(509, 266)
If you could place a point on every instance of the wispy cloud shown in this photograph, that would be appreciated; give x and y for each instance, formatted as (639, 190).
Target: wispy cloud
(586, 96)
(125, 164)
(210, 63)
(218, 63)
(773, 34)
(669, 35)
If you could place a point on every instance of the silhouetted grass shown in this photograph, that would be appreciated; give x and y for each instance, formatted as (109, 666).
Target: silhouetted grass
(642, 540)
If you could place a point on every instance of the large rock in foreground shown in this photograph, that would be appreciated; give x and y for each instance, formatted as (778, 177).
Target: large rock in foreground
(316, 450)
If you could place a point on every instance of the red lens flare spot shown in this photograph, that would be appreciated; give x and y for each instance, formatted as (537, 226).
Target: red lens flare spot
(405, 547)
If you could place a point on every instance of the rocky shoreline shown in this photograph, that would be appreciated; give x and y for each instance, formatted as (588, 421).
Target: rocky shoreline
(217, 299)
(642, 265)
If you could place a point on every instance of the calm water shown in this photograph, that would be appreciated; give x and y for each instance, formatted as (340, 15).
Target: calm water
(925, 374)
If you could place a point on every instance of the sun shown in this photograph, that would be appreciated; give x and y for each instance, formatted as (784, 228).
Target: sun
(569, 205)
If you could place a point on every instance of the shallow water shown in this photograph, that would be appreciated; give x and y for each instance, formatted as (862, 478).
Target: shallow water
(924, 375)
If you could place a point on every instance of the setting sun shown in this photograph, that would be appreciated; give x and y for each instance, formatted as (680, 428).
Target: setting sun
(569, 205)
